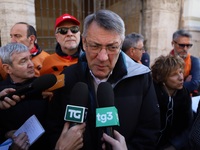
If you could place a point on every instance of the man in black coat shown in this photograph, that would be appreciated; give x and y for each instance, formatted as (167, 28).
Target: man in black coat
(16, 61)
(134, 95)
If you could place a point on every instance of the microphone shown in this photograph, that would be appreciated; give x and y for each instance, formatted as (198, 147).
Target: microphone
(106, 114)
(76, 111)
(60, 83)
(39, 84)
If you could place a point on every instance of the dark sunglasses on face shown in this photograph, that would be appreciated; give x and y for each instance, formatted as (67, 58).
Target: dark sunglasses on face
(183, 45)
(64, 30)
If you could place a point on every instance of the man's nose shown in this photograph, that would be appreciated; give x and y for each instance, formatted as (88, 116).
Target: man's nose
(103, 55)
(13, 39)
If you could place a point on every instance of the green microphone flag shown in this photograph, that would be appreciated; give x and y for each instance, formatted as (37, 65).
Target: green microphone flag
(107, 116)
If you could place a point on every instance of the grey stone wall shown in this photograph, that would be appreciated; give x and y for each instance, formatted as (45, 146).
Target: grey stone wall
(13, 11)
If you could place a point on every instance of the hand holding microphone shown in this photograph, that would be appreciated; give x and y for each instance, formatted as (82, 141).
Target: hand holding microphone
(71, 137)
(39, 84)
(118, 143)
(8, 102)
(106, 114)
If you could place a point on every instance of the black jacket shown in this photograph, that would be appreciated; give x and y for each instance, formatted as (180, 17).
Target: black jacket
(177, 130)
(135, 100)
(14, 117)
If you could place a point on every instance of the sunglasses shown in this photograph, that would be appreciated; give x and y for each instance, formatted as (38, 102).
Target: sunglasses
(184, 45)
(64, 30)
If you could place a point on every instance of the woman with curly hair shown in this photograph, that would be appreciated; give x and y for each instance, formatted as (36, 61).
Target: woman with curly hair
(174, 102)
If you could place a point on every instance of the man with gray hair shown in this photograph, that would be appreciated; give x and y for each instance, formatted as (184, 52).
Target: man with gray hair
(134, 95)
(133, 46)
(17, 63)
(182, 42)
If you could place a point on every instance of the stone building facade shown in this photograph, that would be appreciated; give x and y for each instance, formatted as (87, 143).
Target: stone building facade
(155, 19)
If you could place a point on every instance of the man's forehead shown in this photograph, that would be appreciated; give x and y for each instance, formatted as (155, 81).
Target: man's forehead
(19, 28)
(183, 38)
(22, 54)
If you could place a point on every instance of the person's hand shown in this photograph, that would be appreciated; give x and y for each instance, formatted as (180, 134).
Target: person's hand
(189, 78)
(118, 143)
(7, 102)
(47, 94)
(71, 138)
(20, 142)
(10, 134)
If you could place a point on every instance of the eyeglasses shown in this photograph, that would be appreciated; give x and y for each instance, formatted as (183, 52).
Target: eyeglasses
(96, 48)
(184, 45)
(140, 49)
(64, 30)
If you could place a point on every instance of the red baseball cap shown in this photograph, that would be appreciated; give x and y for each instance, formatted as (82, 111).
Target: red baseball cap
(66, 17)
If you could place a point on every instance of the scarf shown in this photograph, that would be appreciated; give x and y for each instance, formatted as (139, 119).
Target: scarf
(188, 64)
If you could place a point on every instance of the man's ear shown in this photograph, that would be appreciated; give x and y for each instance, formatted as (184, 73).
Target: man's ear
(84, 43)
(131, 51)
(172, 43)
(32, 38)
(56, 36)
(6, 68)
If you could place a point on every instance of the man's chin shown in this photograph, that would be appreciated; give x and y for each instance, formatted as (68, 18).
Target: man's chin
(183, 56)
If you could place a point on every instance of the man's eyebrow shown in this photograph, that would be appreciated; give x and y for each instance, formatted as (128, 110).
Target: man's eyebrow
(93, 42)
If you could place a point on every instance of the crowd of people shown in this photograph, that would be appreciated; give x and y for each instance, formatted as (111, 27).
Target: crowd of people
(154, 102)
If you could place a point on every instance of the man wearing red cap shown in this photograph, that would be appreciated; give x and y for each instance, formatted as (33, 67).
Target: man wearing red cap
(68, 45)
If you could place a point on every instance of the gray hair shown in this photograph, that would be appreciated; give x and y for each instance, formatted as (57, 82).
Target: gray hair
(181, 33)
(9, 49)
(131, 40)
(107, 20)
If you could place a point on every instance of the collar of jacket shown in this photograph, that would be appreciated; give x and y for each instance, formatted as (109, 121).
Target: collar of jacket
(124, 68)
(39, 50)
(60, 52)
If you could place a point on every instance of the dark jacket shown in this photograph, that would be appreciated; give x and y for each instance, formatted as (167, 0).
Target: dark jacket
(135, 100)
(14, 117)
(178, 124)
(145, 59)
(195, 72)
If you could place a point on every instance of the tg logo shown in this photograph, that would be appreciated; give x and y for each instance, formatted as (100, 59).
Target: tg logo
(107, 116)
(104, 117)
(75, 113)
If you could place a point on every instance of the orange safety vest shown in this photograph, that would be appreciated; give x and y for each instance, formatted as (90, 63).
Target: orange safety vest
(38, 62)
(55, 64)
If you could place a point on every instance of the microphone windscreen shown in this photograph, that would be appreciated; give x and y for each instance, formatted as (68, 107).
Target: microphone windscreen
(39, 84)
(44, 82)
(60, 83)
(76, 111)
(105, 95)
(79, 94)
